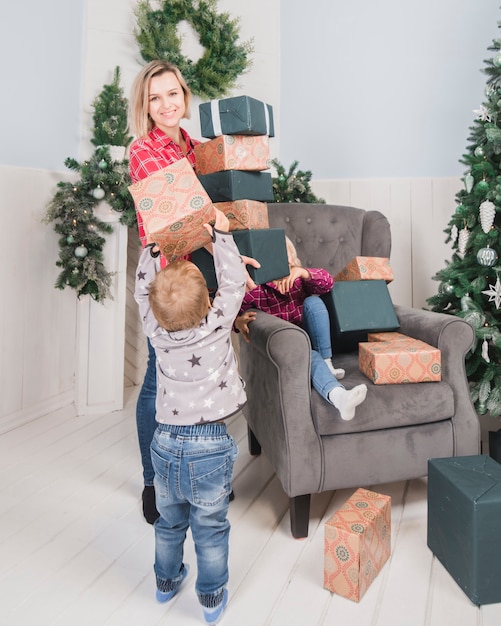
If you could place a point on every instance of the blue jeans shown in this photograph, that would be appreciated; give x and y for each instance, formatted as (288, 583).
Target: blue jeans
(146, 415)
(316, 323)
(193, 471)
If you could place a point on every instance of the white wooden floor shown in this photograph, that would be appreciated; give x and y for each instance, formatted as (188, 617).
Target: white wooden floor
(75, 550)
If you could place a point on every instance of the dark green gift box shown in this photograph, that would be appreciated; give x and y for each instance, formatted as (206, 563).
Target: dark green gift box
(240, 115)
(238, 185)
(357, 307)
(266, 245)
(464, 521)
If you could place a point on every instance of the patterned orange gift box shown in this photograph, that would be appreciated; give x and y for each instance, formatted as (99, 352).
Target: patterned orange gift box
(233, 152)
(405, 360)
(367, 268)
(357, 543)
(174, 206)
(387, 336)
(245, 214)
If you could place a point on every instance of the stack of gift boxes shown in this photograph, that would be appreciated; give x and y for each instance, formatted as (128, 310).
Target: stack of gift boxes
(231, 167)
(175, 202)
(361, 309)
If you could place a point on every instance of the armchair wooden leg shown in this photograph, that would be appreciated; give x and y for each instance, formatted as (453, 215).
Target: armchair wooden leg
(254, 445)
(300, 515)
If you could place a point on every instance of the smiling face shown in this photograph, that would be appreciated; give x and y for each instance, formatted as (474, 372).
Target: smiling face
(166, 103)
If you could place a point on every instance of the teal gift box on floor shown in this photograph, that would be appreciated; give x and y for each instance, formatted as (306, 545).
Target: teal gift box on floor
(266, 245)
(464, 521)
(240, 115)
(238, 185)
(357, 307)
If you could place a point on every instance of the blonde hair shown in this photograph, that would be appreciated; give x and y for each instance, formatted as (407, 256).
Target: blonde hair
(292, 253)
(179, 297)
(139, 120)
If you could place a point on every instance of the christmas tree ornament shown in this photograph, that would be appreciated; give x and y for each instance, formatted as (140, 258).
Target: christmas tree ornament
(487, 257)
(103, 164)
(81, 252)
(482, 186)
(494, 293)
(485, 351)
(468, 182)
(479, 151)
(463, 237)
(446, 288)
(483, 114)
(497, 60)
(454, 233)
(70, 239)
(487, 213)
(98, 193)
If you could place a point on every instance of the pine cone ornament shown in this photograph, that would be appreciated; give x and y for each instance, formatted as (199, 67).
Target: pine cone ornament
(464, 235)
(487, 213)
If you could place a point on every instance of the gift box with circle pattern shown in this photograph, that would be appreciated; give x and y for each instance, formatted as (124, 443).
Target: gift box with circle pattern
(357, 543)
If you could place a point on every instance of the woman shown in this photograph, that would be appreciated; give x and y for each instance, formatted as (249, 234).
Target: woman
(160, 99)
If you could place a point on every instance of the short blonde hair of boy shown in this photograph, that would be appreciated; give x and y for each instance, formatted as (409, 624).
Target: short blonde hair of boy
(292, 253)
(139, 120)
(179, 298)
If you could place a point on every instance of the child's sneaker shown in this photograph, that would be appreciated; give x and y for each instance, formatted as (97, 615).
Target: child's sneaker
(165, 596)
(212, 615)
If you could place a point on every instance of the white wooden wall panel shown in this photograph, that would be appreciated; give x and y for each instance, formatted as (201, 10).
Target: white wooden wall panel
(37, 321)
(418, 211)
(101, 329)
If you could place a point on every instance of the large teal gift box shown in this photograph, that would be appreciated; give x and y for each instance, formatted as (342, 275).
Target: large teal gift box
(240, 115)
(464, 522)
(238, 185)
(266, 245)
(357, 307)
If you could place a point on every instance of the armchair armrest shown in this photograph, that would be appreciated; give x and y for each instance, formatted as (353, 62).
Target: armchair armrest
(454, 337)
(275, 365)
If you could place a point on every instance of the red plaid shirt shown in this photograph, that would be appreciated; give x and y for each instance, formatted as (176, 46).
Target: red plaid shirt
(153, 153)
(288, 306)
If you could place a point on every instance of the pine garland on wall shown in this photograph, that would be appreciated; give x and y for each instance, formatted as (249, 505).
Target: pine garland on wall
(101, 178)
(223, 60)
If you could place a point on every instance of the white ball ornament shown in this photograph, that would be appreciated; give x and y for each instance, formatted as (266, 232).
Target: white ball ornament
(487, 257)
(98, 193)
(81, 252)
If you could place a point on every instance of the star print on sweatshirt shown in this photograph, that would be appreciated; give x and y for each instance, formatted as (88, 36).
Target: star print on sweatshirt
(197, 372)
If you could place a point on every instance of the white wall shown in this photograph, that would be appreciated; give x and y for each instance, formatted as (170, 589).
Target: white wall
(382, 89)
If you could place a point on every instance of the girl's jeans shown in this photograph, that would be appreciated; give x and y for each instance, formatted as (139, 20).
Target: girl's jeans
(146, 415)
(316, 323)
(193, 471)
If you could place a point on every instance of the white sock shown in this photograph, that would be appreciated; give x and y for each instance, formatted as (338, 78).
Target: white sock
(346, 401)
(337, 372)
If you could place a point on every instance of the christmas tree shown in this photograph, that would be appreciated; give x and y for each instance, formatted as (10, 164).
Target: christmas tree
(292, 185)
(469, 284)
(101, 178)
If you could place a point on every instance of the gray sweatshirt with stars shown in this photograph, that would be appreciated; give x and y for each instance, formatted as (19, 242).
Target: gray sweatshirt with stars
(197, 372)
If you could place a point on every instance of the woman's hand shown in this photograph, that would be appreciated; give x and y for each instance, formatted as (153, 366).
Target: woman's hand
(283, 285)
(242, 323)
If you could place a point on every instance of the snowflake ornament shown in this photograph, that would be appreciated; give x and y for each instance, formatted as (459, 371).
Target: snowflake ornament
(483, 114)
(494, 293)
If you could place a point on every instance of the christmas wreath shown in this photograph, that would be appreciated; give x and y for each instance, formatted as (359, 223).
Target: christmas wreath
(223, 59)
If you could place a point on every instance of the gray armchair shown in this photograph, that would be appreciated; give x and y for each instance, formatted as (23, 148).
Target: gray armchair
(398, 427)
